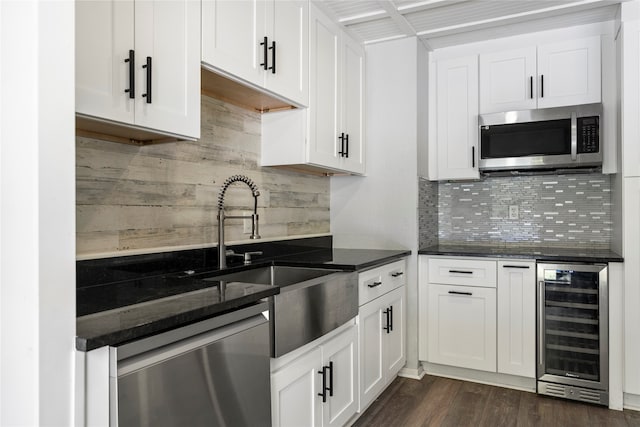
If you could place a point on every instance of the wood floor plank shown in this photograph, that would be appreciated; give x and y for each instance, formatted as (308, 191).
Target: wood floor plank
(443, 402)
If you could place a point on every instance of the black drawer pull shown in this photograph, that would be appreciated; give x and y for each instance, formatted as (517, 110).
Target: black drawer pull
(387, 328)
(397, 274)
(324, 384)
(374, 284)
(149, 71)
(391, 316)
(331, 378)
(460, 272)
(515, 266)
(265, 49)
(132, 74)
(273, 57)
(460, 293)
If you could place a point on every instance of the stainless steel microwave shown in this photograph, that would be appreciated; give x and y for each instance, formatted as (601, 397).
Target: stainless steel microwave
(550, 138)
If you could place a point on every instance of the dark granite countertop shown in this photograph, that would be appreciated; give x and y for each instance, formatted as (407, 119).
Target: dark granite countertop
(537, 253)
(127, 298)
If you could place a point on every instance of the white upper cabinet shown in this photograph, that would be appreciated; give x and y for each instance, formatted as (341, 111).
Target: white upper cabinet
(456, 134)
(328, 137)
(261, 42)
(549, 75)
(508, 80)
(569, 72)
(336, 97)
(231, 35)
(138, 63)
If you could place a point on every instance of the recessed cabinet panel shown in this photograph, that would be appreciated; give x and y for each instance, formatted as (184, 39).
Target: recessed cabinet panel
(324, 92)
(340, 355)
(231, 35)
(372, 378)
(353, 106)
(291, 34)
(294, 400)
(457, 118)
(508, 81)
(462, 326)
(516, 318)
(104, 37)
(569, 72)
(168, 66)
(395, 356)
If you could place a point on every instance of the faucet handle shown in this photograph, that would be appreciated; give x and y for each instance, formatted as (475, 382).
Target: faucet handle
(230, 252)
(247, 256)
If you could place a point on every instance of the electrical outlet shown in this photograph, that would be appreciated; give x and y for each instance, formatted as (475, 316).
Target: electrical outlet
(246, 229)
(513, 212)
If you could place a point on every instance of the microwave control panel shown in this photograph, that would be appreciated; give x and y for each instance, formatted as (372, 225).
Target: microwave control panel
(588, 134)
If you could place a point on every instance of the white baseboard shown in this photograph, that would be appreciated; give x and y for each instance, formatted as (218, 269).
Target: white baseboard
(414, 374)
(489, 378)
(632, 401)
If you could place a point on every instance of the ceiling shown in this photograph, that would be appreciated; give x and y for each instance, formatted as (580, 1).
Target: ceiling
(442, 23)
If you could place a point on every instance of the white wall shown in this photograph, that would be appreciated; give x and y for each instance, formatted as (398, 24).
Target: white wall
(380, 210)
(37, 212)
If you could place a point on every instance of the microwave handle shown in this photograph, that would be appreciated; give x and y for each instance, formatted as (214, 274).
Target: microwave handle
(574, 136)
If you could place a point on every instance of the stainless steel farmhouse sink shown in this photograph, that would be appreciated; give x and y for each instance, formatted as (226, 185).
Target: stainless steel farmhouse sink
(312, 302)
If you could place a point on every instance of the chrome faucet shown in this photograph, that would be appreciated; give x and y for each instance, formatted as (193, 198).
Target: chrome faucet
(222, 249)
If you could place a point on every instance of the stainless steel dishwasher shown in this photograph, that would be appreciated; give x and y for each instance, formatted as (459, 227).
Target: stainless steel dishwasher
(212, 373)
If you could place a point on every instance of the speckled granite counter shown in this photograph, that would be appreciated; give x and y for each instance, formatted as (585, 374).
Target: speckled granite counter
(127, 298)
(537, 253)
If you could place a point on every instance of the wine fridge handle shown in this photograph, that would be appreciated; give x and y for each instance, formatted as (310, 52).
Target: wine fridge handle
(541, 323)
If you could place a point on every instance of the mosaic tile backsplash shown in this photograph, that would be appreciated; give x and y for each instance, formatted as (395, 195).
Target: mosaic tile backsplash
(428, 212)
(552, 210)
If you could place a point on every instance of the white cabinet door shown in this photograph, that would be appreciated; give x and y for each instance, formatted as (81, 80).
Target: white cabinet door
(340, 355)
(104, 36)
(168, 66)
(569, 72)
(352, 123)
(324, 90)
(288, 26)
(372, 371)
(517, 318)
(508, 80)
(294, 392)
(457, 118)
(462, 326)
(231, 35)
(395, 355)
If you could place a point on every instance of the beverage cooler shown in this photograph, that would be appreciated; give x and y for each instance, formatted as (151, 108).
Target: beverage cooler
(572, 331)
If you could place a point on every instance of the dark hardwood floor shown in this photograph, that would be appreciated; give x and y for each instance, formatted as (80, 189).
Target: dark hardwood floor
(436, 401)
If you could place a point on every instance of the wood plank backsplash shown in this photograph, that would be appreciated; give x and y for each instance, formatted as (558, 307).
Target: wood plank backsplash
(158, 196)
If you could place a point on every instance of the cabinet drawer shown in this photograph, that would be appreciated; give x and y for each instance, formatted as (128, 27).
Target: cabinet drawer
(467, 272)
(380, 280)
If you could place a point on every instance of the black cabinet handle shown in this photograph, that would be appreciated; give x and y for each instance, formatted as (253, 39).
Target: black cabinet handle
(273, 57)
(391, 318)
(542, 86)
(397, 274)
(346, 153)
(387, 327)
(341, 138)
(331, 378)
(515, 266)
(324, 384)
(473, 157)
(374, 284)
(132, 74)
(148, 67)
(460, 271)
(265, 48)
(460, 293)
(531, 86)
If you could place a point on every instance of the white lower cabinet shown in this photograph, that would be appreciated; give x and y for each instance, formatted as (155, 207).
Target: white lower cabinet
(381, 328)
(462, 326)
(478, 314)
(318, 387)
(517, 318)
